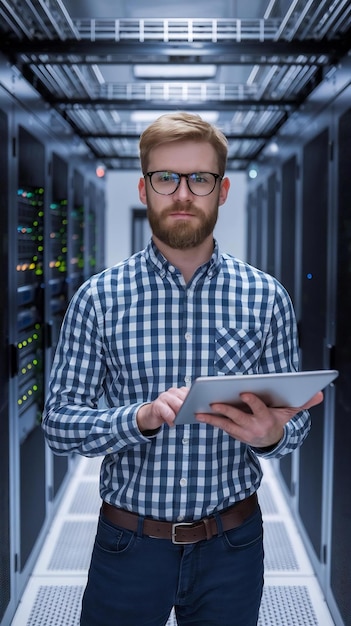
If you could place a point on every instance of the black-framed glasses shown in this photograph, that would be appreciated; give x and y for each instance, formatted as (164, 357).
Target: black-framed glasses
(199, 183)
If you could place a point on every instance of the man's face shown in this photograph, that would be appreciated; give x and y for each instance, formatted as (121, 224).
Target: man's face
(182, 220)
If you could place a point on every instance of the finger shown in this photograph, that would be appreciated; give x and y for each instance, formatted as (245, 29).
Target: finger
(228, 425)
(170, 402)
(176, 392)
(183, 392)
(316, 399)
(226, 417)
(168, 411)
(257, 405)
(251, 405)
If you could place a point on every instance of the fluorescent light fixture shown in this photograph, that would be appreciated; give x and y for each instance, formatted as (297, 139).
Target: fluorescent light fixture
(115, 116)
(146, 117)
(174, 71)
(98, 74)
(209, 116)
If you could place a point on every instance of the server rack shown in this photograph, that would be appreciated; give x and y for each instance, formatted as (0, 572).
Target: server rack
(92, 231)
(5, 545)
(51, 233)
(57, 283)
(313, 244)
(340, 541)
(77, 234)
(286, 244)
(313, 311)
(270, 239)
(58, 246)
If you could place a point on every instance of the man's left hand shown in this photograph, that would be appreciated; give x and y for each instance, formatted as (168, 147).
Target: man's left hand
(262, 427)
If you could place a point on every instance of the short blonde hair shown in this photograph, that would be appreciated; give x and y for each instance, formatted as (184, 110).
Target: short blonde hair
(182, 126)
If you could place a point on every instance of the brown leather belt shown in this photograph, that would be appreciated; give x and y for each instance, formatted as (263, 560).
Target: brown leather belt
(183, 532)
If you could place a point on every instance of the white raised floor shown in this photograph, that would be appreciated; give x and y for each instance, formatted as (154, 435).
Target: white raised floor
(292, 595)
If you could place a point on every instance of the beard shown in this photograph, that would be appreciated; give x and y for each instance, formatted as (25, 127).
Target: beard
(182, 235)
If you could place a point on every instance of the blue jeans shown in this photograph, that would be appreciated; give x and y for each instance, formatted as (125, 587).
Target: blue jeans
(135, 580)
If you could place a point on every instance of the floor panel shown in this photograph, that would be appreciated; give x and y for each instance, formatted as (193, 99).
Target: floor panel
(291, 597)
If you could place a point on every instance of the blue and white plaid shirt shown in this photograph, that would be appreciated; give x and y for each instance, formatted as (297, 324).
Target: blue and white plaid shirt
(137, 329)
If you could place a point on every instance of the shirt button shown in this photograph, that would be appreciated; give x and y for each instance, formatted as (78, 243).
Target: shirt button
(110, 450)
(183, 482)
(180, 518)
(185, 441)
(187, 336)
(187, 380)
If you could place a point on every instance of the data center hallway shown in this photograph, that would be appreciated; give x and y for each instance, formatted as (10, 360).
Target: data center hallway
(292, 596)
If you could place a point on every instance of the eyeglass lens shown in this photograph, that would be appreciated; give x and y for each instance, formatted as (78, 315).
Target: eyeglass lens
(199, 183)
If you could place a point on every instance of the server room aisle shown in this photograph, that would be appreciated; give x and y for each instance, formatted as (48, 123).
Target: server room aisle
(292, 596)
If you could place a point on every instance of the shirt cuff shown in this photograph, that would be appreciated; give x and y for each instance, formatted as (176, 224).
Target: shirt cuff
(125, 429)
(272, 451)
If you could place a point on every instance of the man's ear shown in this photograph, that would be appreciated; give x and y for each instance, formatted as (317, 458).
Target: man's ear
(223, 192)
(142, 190)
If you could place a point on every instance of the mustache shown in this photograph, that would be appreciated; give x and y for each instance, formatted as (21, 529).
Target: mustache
(178, 207)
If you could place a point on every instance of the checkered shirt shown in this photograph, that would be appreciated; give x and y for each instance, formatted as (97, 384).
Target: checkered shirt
(137, 329)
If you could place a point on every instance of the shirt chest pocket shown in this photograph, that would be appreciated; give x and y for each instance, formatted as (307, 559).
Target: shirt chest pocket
(237, 350)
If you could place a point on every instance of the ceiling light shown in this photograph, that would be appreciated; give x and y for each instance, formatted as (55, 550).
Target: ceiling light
(115, 116)
(273, 147)
(174, 71)
(253, 172)
(146, 117)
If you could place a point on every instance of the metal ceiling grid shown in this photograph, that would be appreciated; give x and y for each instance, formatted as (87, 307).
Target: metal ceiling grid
(266, 67)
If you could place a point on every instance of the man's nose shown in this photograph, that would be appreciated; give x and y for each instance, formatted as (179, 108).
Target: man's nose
(183, 190)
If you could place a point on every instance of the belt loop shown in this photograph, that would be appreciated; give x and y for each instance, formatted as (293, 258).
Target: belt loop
(139, 531)
(218, 519)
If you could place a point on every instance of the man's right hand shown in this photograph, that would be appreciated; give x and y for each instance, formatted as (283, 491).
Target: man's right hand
(162, 410)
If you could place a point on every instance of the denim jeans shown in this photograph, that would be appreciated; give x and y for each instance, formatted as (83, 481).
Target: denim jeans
(135, 580)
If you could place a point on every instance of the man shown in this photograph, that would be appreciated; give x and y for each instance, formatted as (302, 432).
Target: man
(180, 524)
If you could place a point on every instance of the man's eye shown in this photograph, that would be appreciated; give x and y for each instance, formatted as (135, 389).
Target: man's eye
(166, 177)
(198, 178)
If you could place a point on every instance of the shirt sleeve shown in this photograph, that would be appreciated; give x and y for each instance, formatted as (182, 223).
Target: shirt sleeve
(72, 419)
(281, 354)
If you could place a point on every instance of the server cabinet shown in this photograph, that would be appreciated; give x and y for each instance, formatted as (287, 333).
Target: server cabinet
(47, 227)
(314, 258)
(92, 234)
(58, 246)
(5, 557)
(260, 222)
(28, 335)
(287, 243)
(76, 231)
(57, 283)
(287, 256)
(100, 229)
(270, 239)
(251, 244)
(312, 323)
(140, 230)
(340, 558)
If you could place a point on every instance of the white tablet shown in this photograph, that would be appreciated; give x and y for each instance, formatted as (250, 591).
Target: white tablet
(278, 390)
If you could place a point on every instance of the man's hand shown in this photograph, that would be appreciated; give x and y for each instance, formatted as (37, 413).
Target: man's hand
(162, 410)
(262, 427)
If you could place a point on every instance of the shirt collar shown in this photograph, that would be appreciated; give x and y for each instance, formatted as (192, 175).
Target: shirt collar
(160, 264)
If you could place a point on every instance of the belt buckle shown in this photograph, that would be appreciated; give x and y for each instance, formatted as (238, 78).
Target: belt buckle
(174, 532)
